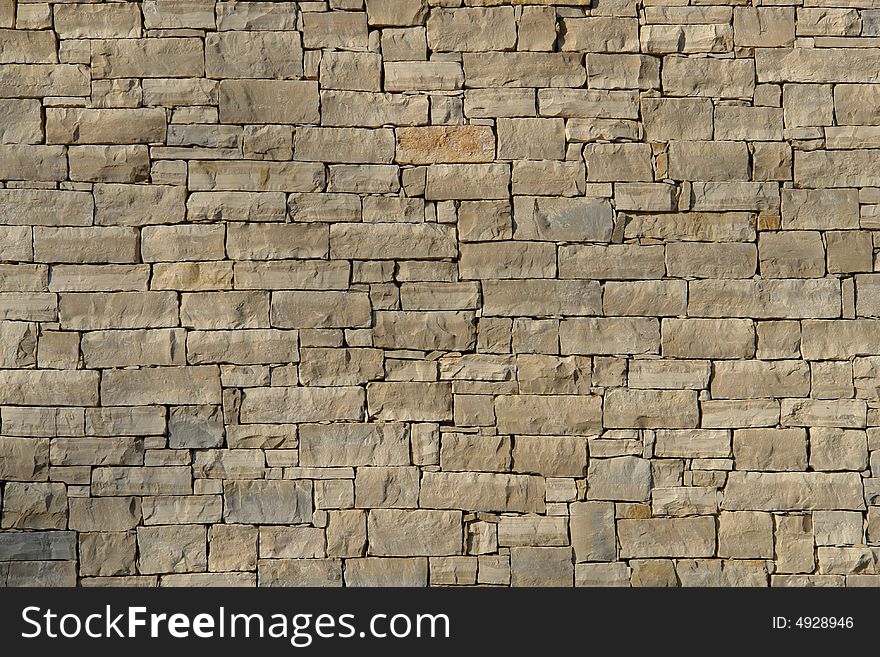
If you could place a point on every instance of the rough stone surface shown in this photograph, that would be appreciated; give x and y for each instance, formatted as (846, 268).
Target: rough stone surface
(433, 293)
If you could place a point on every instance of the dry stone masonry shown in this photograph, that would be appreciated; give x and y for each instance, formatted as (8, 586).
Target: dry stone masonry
(440, 292)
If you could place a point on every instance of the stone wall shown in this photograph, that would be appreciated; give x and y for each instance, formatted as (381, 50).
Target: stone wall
(499, 292)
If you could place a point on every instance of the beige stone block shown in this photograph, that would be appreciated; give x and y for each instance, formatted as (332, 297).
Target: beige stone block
(423, 76)
(541, 566)
(391, 241)
(523, 69)
(708, 160)
(614, 261)
(268, 101)
(838, 449)
(625, 478)
(622, 71)
(824, 413)
(383, 572)
(724, 78)
(105, 126)
(655, 408)
(113, 514)
(481, 491)
(806, 65)
(445, 144)
(148, 58)
(463, 452)
(770, 449)
(840, 339)
(300, 572)
(548, 178)
(504, 260)
(232, 54)
(764, 299)
(540, 298)
(472, 29)
(669, 374)
(396, 12)
(383, 487)
(410, 401)
(232, 547)
(32, 162)
(346, 534)
(21, 122)
(354, 444)
(269, 502)
(684, 501)
(640, 298)
(156, 480)
(164, 385)
(523, 531)
(662, 39)
(373, 110)
(763, 27)
(113, 20)
(34, 506)
(548, 414)
(609, 336)
(618, 162)
(531, 139)
(677, 118)
(420, 532)
(748, 379)
(301, 404)
(793, 491)
(667, 537)
(588, 103)
(42, 80)
(467, 181)
(563, 219)
(791, 254)
(550, 456)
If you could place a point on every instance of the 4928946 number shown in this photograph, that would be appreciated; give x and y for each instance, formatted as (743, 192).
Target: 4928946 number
(824, 622)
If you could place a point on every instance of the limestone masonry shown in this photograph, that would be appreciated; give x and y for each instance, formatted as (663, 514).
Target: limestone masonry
(440, 292)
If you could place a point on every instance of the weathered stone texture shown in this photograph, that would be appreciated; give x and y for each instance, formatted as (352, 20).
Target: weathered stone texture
(431, 292)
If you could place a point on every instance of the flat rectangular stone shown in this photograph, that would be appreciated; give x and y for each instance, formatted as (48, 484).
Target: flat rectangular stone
(253, 54)
(161, 385)
(482, 491)
(354, 444)
(626, 408)
(268, 101)
(558, 219)
(517, 298)
(765, 299)
(809, 65)
(42, 80)
(523, 69)
(549, 414)
(299, 404)
(391, 241)
(667, 537)
(793, 491)
(154, 480)
(37, 546)
(609, 336)
(148, 58)
(56, 387)
(245, 175)
(449, 331)
(416, 532)
(856, 168)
